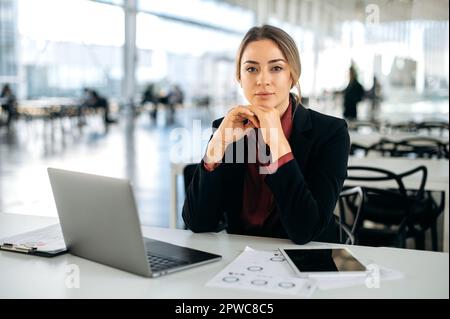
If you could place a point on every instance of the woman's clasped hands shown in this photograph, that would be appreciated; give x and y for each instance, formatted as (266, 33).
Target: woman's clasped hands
(240, 121)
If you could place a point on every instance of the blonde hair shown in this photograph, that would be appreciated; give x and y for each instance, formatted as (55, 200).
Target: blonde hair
(284, 42)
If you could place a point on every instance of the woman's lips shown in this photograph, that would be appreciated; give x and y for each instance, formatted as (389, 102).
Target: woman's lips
(264, 95)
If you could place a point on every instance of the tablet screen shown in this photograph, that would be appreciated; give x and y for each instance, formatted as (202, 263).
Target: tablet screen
(324, 260)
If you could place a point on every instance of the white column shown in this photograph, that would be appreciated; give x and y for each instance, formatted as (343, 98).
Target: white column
(262, 12)
(129, 52)
(293, 12)
(305, 14)
(317, 25)
(420, 70)
(280, 9)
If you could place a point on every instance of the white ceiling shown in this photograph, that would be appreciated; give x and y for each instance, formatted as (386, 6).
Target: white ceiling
(346, 10)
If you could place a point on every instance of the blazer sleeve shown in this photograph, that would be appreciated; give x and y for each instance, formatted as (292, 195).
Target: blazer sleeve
(306, 207)
(203, 205)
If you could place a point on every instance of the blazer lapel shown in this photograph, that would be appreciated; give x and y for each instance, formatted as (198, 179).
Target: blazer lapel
(300, 142)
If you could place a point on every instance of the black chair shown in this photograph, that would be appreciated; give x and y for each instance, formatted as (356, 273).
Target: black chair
(350, 200)
(438, 208)
(431, 126)
(417, 127)
(402, 127)
(356, 149)
(396, 213)
(421, 147)
(413, 147)
(368, 125)
(188, 174)
(384, 147)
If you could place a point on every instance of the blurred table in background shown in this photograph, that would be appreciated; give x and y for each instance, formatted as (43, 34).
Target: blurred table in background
(48, 108)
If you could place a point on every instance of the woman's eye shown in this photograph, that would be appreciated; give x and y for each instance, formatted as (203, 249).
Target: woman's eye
(277, 68)
(251, 69)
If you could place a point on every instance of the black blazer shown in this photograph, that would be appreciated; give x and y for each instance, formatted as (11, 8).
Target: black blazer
(305, 189)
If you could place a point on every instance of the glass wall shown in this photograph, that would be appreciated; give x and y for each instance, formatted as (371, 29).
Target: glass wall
(409, 58)
(55, 48)
(8, 43)
(191, 44)
(67, 45)
(200, 60)
(216, 14)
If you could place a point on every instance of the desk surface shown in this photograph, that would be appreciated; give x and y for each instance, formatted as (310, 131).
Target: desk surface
(22, 276)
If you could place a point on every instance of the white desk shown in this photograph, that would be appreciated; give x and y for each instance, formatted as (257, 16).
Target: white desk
(22, 276)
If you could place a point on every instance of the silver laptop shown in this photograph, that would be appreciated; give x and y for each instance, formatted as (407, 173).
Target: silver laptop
(100, 222)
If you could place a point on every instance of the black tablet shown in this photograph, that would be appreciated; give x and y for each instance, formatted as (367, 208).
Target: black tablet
(324, 262)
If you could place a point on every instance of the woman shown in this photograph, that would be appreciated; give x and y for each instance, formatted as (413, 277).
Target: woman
(294, 194)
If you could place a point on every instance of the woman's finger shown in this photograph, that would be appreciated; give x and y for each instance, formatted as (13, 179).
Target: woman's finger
(257, 111)
(242, 113)
(245, 111)
(254, 120)
(248, 128)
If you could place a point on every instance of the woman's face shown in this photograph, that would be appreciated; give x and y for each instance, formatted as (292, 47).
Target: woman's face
(265, 75)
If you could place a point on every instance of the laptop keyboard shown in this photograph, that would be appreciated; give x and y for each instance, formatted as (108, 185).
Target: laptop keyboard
(159, 262)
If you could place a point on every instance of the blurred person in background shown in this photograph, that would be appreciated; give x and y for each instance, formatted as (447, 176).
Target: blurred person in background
(353, 94)
(176, 97)
(375, 97)
(8, 103)
(85, 104)
(149, 97)
(97, 101)
(159, 94)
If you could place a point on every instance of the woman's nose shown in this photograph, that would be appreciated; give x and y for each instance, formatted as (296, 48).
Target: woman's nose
(263, 78)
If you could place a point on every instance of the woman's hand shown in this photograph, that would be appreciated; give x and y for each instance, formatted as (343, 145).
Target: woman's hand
(272, 131)
(239, 121)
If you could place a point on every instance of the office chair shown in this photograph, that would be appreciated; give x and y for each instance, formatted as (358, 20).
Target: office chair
(345, 233)
(351, 199)
(396, 213)
(188, 175)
